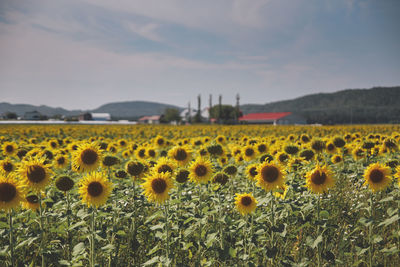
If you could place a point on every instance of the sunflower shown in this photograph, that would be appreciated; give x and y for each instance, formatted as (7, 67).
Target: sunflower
(6, 166)
(9, 148)
(135, 168)
(95, 189)
(397, 175)
(319, 180)
(330, 148)
(64, 183)
(11, 193)
(283, 157)
(220, 139)
(336, 159)
(200, 170)
(61, 161)
(377, 176)
(164, 165)
(221, 178)
(30, 202)
(270, 176)
(109, 161)
(180, 154)
(86, 158)
(358, 153)
(151, 152)
(249, 153)
(251, 171)
(140, 153)
(245, 203)
(182, 176)
(159, 141)
(157, 186)
(34, 173)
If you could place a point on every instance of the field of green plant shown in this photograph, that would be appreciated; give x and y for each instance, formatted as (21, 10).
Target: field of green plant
(199, 195)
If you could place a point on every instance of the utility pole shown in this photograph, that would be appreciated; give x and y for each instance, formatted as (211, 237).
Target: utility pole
(219, 108)
(188, 114)
(209, 108)
(198, 116)
(237, 108)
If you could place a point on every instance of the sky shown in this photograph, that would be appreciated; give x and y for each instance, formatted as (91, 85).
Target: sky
(82, 54)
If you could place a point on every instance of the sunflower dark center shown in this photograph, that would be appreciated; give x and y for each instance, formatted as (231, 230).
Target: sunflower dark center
(64, 183)
(253, 171)
(7, 192)
(249, 152)
(160, 141)
(245, 201)
(200, 170)
(9, 148)
(61, 160)
(330, 147)
(376, 176)
(32, 199)
(89, 156)
(95, 189)
(261, 148)
(270, 174)
(135, 169)
(318, 177)
(164, 168)
(53, 144)
(182, 176)
(8, 166)
(159, 185)
(180, 155)
(36, 173)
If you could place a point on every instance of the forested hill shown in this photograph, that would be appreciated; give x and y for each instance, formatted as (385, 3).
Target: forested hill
(375, 105)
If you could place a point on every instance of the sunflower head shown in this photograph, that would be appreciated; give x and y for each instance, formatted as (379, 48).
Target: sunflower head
(159, 141)
(182, 176)
(231, 170)
(64, 183)
(251, 171)
(291, 149)
(377, 177)
(157, 186)
(86, 158)
(11, 193)
(269, 176)
(245, 203)
(164, 165)
(110, 160)
(220, 178)
(95, 189)
(318, 145)
(135, 168)
(319, 180)
(34, 173)
(9, 148)
(336, 159)
(61, 161)
(30, 202)
(6, 166)
(200, 171)
(180, 154)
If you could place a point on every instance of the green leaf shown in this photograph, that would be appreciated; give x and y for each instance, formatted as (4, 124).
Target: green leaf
(232, 252)
(64, 262)
(108, 247)
(78, 249)
(210, 239)
(156, 215)
(75, 225)
(121, 233)
(4, 225)
(317, 241)
(390, 220)
(158, 226)
(153, 260)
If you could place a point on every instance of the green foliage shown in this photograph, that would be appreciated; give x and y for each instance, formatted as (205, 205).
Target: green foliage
(170, 115)
(226, 114)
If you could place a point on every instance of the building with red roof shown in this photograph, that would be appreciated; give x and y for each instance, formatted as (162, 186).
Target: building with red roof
(274, 118)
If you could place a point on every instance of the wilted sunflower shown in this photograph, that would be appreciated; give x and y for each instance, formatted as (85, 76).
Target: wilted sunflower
(164, 165)
(135, 168)
(157, 186)
(61, 161)
(180, 154)
(245, 203)
(270, 176)
(95, 189)
(30, 202)
(6, 166)
(11, 193)
(319, 180)
(200, 171)
(34, 173)
(9, 148)
(86, 158)
(251, 171)
(377, 176)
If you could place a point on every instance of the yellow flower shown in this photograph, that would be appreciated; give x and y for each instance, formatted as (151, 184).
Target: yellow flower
(180, 154)
(30, 202)
(270, 176)
(157, 186)
(249, 153)
(245, 203)
(377, 176)
(61, 161)
(11, 193)
(34, 173)
(319, 180)
(86, 158)
(9, 148)
(251, 171)
(164, 165)
(95, 189)
(6, 166)
(200, 170)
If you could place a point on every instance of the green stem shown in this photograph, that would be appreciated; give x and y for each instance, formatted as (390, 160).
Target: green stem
(371, 245)
(318, 212)
(68, 225)
(92, 245)
(166, 209)
(41, 230)
(200, 226)
(11, 238)
(272, 221)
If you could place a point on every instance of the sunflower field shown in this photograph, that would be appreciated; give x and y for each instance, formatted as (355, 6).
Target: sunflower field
(201, 195)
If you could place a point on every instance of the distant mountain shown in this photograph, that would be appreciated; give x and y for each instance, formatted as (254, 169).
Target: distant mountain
(118, 110)
(375, 105)
(133, 109)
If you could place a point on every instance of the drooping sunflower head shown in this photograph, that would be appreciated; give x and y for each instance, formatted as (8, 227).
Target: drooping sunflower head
(251, 171)
(291, 149)
(164, 165)
(94, 189)
(9, 148)
(377, 177)
(6, 166)
(87, 157)
(307, 154)
(157, 186)
(110, 160)
(231, 170)
(215, 150)
(180, 154)
(269, 176)
(220, 178)
(135, 168)
(34, 173)
(245, 203)
(200, 170)
(318, 145)
(11, 193)
(339, 142)
(30, 202)
(319, 180)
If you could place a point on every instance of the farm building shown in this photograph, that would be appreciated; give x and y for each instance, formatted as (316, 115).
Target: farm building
(275, 118)
(95, 117)
(32, 115)
(155, 119)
